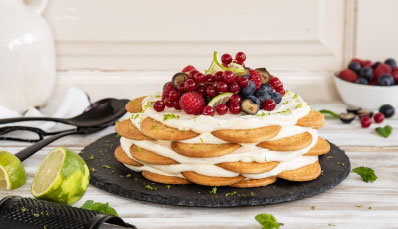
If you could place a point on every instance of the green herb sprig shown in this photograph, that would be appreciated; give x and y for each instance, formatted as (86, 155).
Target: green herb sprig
(99, 207)
(367, 174)
(329, 114)
(384, 131)
(268, 221)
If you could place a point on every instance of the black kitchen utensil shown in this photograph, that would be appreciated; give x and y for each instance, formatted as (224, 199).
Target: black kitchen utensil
(34, 130)
(28, 213)
(97, 114)
(27, 152)
(118, 110)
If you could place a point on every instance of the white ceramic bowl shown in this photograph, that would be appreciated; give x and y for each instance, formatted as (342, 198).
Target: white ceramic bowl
(366, 96)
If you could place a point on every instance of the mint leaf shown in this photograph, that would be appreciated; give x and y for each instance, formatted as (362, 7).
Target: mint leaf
(384, 131)
(88, 205)
(268, 221)
(99, 207)
(367, 174)
(329, 114)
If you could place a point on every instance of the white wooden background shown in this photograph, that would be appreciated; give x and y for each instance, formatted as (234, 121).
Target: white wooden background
(304, 41)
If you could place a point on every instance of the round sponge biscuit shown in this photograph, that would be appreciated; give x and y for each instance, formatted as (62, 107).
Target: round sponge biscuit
(164, 179)
(126, 129)
(321, 147)
(135, 105)
(255, 182)
(211, 181)
(295, 142)
(314, 119)
(157, 130)
(121, 157)
(200, 150)
(248, 167)
(248, 135)
(150, 157)
(305, 173)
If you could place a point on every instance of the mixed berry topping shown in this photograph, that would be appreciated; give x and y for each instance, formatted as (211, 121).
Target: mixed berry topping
(226, 86)
(368, 73)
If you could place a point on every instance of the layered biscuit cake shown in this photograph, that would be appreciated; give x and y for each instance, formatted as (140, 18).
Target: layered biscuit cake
(232, 126)
(173, 147)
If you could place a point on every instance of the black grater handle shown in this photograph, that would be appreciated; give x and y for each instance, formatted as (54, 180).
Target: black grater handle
(27, 213)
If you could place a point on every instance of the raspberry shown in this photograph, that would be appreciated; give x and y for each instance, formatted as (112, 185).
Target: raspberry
(366, 122)
(269, 105)
(356, 60)
(348, 75)
(240, 57)
(222, 109)
(208, 110)
(192, 103)
(188, 68)
(381, 69)
(275, 82)
(378, 117)
(255, 77)
(158, 106)
(366, 63)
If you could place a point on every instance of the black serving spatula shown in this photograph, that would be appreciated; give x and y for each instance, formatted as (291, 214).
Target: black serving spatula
(97, 114)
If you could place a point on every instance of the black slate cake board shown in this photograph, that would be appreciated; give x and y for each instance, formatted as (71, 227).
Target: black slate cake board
(110, 175)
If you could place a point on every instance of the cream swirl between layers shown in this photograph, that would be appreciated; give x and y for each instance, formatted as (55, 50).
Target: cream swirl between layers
(206, 166)
(285, 114)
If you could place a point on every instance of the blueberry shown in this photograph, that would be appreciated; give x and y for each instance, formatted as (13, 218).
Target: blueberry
(267, 88)
(347, 117)
(367, 73)
(260, 92)
(248, 90)
(387, 110)
(385, 80)
(276, 97)
(254, 99)
(178, 78)
(249, 106)
(362, 81)
(374, 66)
(264, 97)
(391, 62)
(355, 66)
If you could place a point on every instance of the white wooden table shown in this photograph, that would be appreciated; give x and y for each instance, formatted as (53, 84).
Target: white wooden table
(352, 204)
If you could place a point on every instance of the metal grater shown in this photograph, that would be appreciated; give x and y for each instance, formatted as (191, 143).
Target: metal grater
(27, 213)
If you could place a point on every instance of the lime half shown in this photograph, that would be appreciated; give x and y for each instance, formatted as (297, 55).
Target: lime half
(12, 172)
(217, 66)
(220, 99)
(62, 177)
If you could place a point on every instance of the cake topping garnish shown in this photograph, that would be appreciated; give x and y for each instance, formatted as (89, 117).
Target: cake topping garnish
(228, 85)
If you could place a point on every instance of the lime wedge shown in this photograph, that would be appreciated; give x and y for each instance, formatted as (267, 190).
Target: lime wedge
(220, 99)
(62, 177)
(217, 66)
(12, 172)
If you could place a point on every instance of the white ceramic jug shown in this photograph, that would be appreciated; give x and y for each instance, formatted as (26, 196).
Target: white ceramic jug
(27, 56)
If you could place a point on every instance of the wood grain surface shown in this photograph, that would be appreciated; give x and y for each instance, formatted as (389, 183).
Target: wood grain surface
(352, 204)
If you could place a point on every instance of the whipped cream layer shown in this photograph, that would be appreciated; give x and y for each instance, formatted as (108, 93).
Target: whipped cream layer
(289, 160)
(286, 114)
(291, 108)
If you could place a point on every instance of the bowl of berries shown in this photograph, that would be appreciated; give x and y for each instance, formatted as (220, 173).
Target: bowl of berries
(367, 84)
